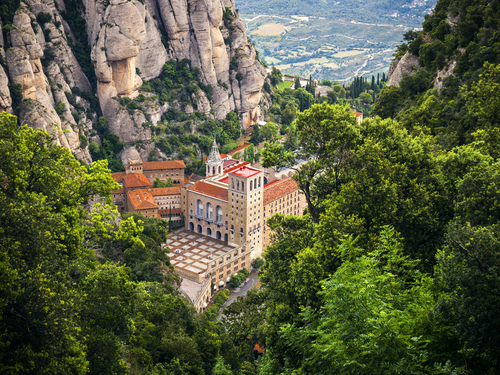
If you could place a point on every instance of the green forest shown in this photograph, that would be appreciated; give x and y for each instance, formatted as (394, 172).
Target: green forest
(394, 268)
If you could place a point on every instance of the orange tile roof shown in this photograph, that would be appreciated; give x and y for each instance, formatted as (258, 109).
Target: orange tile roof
(257, 348)
(209, 189)
(141, 200)
(168, 164)
(242, 147)
(176, 190)
(118, 176)
(229, 162)
(270, 183)
(119, 191)
(136, 180)
(279, 189)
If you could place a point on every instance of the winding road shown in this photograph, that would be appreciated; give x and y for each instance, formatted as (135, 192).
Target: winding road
(240, 291)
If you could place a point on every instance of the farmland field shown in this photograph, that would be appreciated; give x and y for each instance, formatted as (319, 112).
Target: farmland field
(330, 40)
(269, 29)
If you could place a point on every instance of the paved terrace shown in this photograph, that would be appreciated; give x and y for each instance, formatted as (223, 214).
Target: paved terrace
(190, 252)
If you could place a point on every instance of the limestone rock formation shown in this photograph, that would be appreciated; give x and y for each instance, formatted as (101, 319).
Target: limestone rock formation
(405, 65)
(5, 98)
(130, 41)
(44, 105)
(444, 73)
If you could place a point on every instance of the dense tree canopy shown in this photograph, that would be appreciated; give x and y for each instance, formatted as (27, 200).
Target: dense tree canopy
(82, 289)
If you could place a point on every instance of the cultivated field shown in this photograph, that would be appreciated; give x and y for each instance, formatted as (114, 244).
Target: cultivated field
(269, 29)
(326, 47)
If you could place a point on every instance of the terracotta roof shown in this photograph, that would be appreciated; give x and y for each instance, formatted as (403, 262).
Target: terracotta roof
(141, 200)
(168, 164)
(358, 114)
(209, 189)
(136, 180)
(222, 156)
(224, 180)
(229, 162)
(119, 191)
(167, 211)
(118, 176)
(231, 169)
(270, 183)
(278, 190)
(245, 171)
(257, 348)
(176, 190)
(238, 149)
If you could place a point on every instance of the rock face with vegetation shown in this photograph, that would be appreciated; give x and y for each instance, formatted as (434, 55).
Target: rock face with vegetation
(71, 62)
(405, 65)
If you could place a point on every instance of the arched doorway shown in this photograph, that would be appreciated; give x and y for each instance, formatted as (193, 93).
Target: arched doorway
(218, 235)
(225, 237)
(209, 232)
(198, 228)
(191, 227)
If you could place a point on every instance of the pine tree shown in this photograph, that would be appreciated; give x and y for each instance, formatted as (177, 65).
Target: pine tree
(297, 83)
(383, 77)
(373, 83)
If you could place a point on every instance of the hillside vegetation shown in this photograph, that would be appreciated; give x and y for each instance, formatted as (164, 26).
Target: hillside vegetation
(453, 94)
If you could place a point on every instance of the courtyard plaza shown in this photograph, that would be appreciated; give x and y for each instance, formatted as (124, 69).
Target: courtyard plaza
(192, 252)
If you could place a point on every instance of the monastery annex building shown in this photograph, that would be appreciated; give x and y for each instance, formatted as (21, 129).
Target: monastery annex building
(224, 215)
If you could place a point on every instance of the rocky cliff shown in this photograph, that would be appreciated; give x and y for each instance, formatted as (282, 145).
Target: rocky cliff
(45, 80)
(405, 65)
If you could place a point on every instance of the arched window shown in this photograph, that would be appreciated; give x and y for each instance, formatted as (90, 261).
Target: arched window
(218, 235)
(237, 184)
(198, 228)
(218, 214)
(220, 169)
(255, 183)
(259, 181)
(191, 227)
(213, 170)
(251, 183)
(210, 211)
(199, 207)
(232, 183)
(209, 232)
(242, 186)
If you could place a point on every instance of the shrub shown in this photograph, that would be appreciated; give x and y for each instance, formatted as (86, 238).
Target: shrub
(83, 140)
(237, 279)
(257, 263)
(60, 108)
(43, 18)
(228, 148)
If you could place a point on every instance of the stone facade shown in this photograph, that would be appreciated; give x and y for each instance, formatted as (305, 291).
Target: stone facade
(282, 197)
(231, 206)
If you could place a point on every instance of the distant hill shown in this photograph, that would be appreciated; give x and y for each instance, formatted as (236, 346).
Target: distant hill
(449, 89)
(330, 39)
(360, 10)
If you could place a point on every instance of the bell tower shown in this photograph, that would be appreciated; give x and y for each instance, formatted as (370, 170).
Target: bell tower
(214, 162)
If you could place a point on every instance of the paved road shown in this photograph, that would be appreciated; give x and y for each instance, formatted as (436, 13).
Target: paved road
(241, 291)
